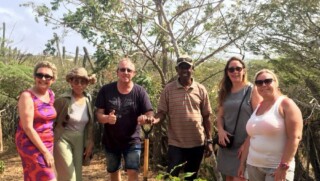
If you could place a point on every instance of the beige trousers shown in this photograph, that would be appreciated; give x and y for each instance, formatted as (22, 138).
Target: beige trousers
(68, 152)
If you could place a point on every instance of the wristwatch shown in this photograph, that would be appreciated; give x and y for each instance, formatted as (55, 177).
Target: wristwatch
(209, 141)
(284, 166)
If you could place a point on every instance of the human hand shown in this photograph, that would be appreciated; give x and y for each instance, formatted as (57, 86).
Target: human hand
(144, 119)
(48, 159)
(208, 150)
(112, 118)
(280, 174)
(88, 151)
(223, 137)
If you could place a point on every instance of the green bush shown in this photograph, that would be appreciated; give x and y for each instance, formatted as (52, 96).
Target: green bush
(1, 167)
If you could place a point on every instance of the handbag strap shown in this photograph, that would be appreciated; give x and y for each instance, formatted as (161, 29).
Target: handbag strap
(235, 127)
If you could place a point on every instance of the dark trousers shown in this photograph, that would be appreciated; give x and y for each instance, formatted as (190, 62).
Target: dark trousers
(177, 156)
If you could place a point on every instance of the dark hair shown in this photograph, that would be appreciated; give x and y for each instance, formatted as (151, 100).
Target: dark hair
(225, 84)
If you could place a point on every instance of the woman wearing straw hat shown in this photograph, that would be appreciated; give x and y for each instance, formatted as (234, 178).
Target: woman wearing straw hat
(74, 126)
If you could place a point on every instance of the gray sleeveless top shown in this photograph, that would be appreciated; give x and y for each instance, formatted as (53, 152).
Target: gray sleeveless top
(230, 107)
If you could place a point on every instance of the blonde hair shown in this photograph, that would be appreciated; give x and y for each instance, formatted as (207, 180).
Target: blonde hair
(46, 64)
(274, 76)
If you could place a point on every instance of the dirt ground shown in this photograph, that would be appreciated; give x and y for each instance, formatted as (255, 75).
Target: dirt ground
(95, 172)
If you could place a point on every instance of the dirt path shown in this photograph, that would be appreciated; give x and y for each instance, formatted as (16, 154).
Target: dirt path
(94, 172)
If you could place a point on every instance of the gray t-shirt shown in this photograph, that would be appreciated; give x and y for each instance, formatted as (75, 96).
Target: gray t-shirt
(78, 117)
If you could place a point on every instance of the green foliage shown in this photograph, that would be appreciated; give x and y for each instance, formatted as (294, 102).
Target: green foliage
(152, 86)
(2, 166)
(50, 46)
(168, 177)
(13, 79)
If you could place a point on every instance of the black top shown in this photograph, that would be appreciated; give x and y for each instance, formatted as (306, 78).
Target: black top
(127, 108)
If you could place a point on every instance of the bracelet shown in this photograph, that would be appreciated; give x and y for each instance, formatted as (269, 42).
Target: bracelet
(209, 141)
(284, 166)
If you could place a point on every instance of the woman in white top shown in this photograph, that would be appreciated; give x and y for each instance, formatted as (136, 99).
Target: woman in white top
(275, 130)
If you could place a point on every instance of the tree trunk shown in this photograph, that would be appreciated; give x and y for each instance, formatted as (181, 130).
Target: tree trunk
(3, 40)
(1, 139)
(314, 157)
(63, 53)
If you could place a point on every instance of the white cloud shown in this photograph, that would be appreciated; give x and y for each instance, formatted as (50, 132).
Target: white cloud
(9, 15)
(27, 35)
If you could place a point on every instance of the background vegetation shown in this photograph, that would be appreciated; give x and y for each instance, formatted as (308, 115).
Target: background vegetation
(284, 34)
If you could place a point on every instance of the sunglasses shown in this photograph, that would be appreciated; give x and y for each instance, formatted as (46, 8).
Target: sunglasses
(125, 69)
(41, 75)
(80, 81)
(232, 69)
(184, 66)
(259, 83)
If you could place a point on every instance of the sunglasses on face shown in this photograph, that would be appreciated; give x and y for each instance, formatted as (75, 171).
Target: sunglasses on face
(259, 83)
(80, 81)
(125, 69)
(41, 75)
(232, 69)
(184, 66)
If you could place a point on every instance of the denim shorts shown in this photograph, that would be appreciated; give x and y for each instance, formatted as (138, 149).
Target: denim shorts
(131, 157)
(265, 174)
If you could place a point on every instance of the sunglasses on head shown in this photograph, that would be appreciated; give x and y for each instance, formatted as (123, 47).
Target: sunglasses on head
(261, 82)
(41, 75)
(125, 69)
(232, 69)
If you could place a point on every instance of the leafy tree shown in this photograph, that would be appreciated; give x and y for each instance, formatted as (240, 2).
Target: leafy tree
(13, 79)
(158, 30)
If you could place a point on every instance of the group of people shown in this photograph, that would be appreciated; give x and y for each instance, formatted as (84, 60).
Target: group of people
(55, 137)
(266, 126)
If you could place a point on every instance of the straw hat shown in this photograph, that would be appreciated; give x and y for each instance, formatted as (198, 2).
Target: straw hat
(81, 73)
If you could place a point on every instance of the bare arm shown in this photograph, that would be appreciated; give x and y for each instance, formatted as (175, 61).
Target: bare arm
(221, 132)
(207, 126)
(294, 124)
(159, 116)
(26, 114)
(255, 98)
(293, 127)
(208, 132)
(243, 158)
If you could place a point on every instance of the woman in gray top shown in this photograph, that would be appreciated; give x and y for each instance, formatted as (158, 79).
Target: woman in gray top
(233, 88)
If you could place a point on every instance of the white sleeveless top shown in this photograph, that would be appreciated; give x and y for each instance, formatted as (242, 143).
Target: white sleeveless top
(267, 137)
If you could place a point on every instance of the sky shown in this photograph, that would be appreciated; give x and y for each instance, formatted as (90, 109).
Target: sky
(24, 33)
